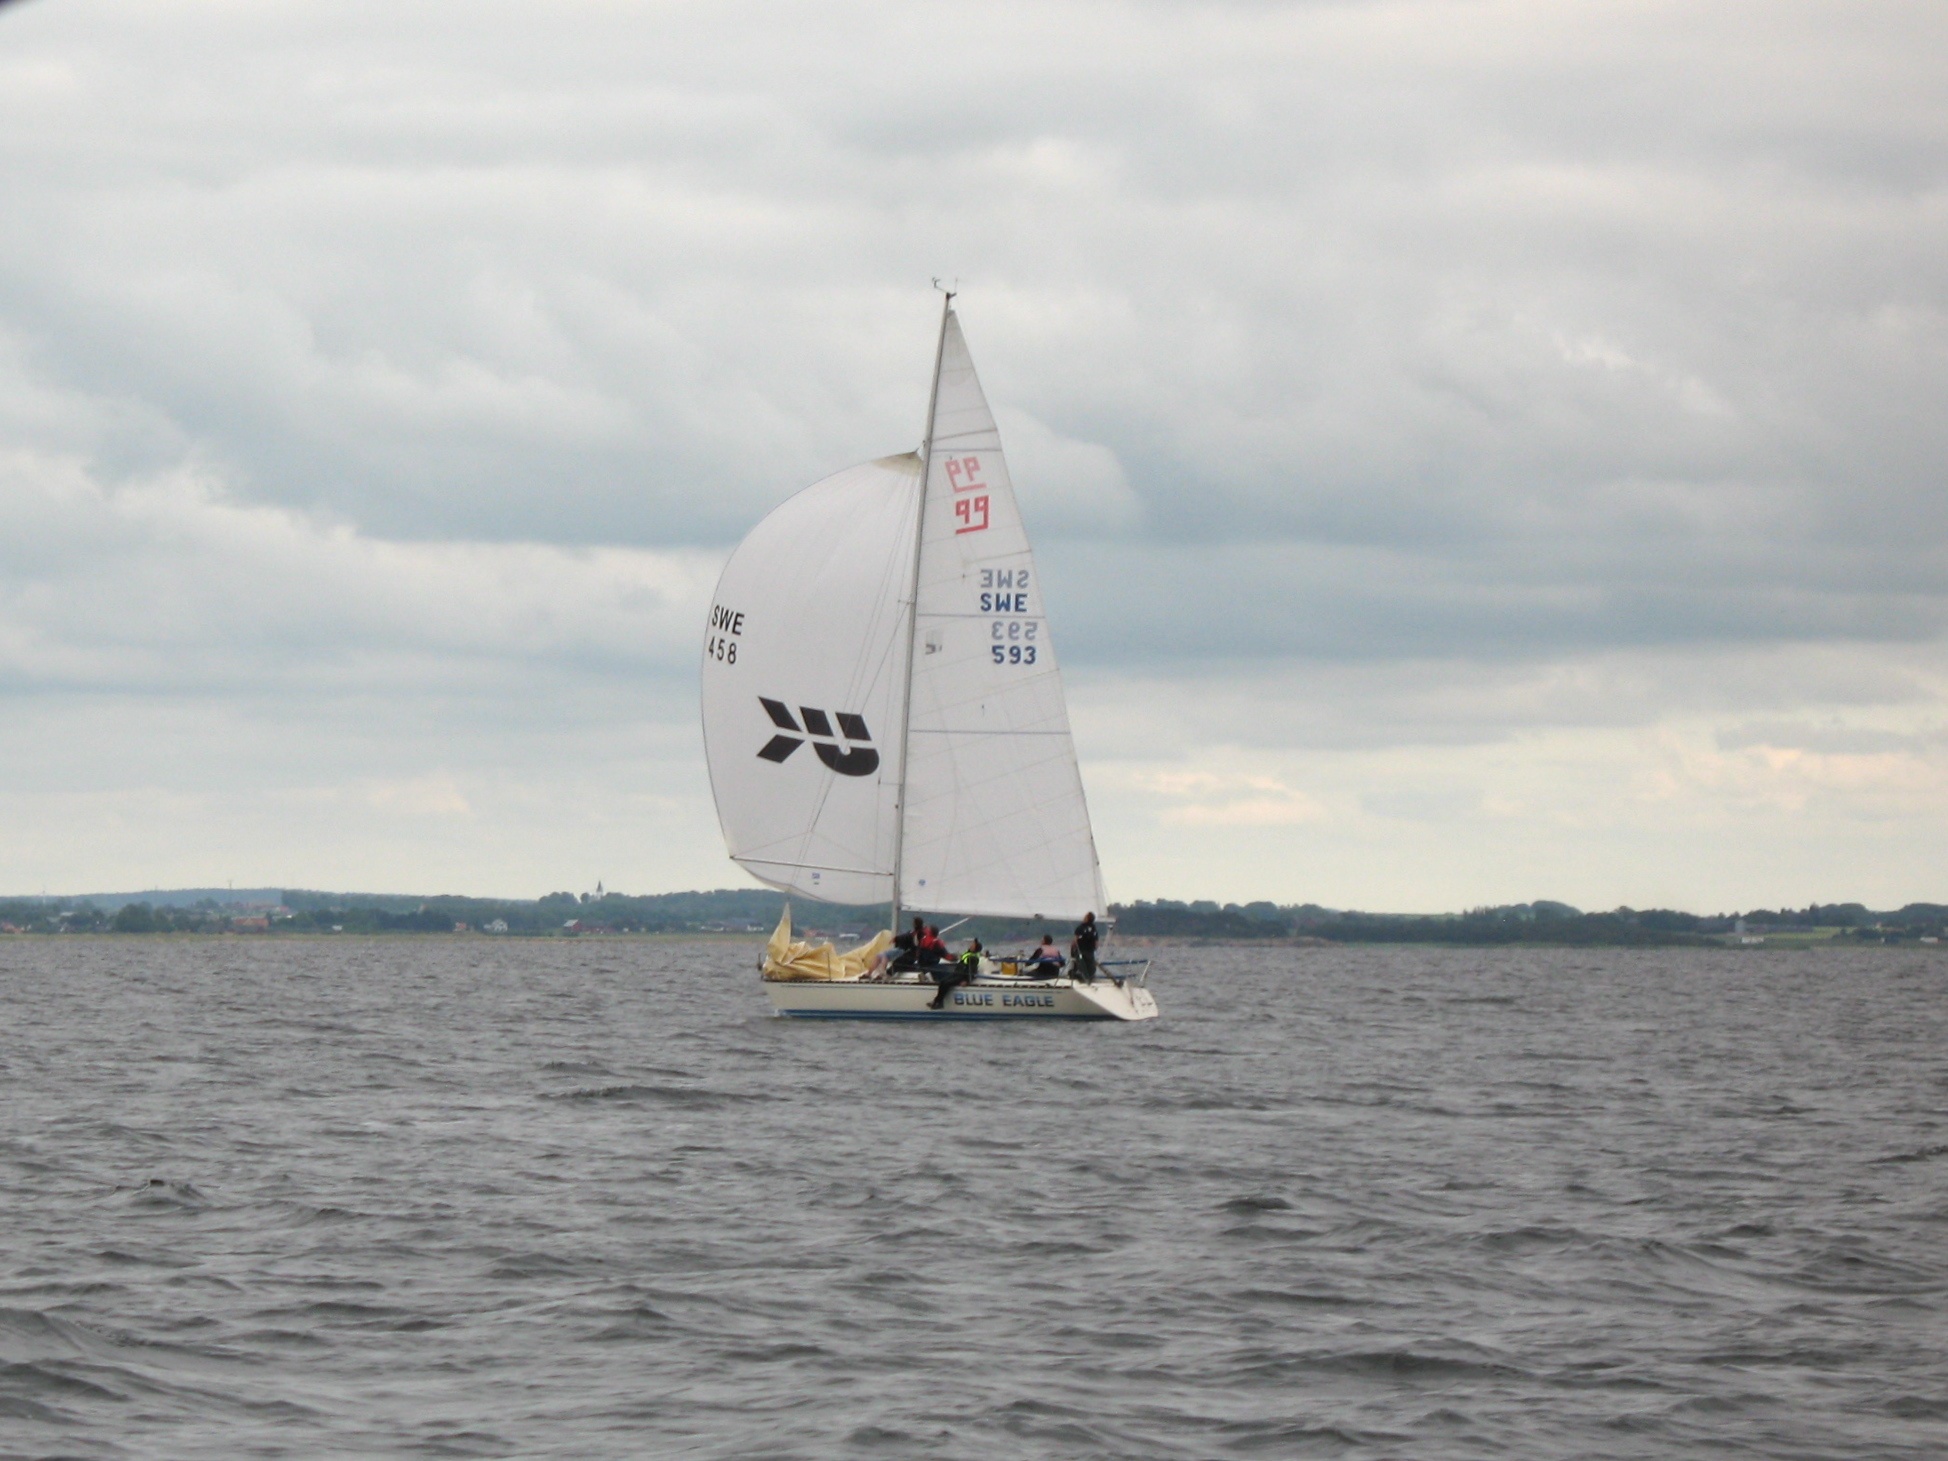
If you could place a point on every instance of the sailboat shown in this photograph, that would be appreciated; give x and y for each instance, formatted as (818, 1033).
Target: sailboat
(884, 723)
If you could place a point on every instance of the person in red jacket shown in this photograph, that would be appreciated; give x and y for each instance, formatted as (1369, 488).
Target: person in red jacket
(905, 953)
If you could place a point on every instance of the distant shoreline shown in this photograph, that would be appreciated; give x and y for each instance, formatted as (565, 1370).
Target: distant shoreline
(754, 912)
(1835, 944)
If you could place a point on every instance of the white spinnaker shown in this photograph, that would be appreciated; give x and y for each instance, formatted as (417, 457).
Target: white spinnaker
(995, 818)
(809, 616)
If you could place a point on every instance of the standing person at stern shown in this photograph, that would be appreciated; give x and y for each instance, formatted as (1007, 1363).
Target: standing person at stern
(1083, 948)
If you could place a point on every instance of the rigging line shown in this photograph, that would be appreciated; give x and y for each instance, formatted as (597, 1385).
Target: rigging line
(913, 607)
(810, 867)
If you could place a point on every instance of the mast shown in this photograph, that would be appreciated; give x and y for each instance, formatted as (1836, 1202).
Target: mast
(913, 605)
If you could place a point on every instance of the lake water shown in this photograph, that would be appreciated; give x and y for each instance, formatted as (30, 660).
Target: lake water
(469, 1197)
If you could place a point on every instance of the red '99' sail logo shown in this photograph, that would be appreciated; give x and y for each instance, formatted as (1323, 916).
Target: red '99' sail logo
(971, 512)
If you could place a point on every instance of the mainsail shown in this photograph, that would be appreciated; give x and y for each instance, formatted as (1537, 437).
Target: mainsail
(995, 817)
(834, 680)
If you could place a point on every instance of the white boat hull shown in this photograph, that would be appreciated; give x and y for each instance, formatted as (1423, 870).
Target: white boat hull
(984, 999)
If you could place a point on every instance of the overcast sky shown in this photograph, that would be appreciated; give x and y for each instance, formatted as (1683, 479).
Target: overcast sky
(1478, 452)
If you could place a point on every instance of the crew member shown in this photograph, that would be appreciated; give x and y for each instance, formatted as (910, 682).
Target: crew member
(899, 955)
(957, 973)
(1047, 957)
(906, 948)
(1083, 948)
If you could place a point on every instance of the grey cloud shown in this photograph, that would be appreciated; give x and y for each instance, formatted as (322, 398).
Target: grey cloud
(1502, 333)
(1382, 377)
(1456, 701)
(1130, 605)
(170, 584)
(1830, 737)
(1306, 275)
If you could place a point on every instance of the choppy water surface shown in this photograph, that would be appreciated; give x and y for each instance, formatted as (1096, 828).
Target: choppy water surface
(475, 1197)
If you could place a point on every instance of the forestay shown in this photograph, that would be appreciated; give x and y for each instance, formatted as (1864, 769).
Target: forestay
(995, 818)
(803, 684)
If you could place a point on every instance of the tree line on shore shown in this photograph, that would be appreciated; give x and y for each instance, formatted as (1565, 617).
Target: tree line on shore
(1541, 922)
(753, 910)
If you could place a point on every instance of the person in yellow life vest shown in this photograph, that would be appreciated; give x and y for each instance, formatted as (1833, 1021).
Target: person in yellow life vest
(961, 971)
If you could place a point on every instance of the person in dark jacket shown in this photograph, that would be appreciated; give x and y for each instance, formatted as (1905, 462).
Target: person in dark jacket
(1083, 948)
(957, 973)
(898, 955)
(905, 953)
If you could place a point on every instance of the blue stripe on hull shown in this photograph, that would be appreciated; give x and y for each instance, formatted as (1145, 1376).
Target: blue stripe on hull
(923, 1015)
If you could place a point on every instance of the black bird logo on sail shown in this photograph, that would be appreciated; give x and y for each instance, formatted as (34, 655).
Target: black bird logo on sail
(856, 758)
